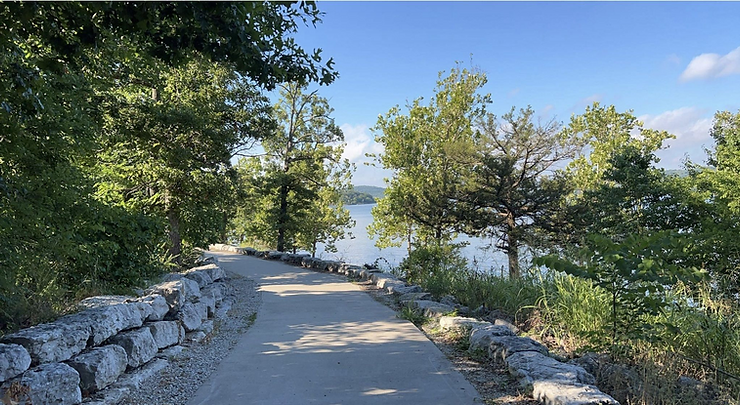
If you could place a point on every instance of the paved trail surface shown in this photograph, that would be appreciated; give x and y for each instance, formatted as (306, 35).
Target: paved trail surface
(320, 340)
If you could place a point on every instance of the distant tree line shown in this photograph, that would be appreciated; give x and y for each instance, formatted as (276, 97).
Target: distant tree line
(354, 197)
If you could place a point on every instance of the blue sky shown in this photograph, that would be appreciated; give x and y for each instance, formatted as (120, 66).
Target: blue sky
(674, 64)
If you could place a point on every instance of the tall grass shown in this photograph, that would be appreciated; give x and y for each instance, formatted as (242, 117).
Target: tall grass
(697, 336)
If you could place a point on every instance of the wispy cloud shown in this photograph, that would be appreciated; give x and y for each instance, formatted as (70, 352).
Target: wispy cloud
(545, 111)
(514, 92)
(711, 66)
(673, 59)
(691, 128)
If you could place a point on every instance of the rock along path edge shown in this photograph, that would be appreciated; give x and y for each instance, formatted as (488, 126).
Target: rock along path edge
(319, 339)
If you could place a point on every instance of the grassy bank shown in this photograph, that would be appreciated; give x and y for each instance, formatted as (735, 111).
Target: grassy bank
(687, 354)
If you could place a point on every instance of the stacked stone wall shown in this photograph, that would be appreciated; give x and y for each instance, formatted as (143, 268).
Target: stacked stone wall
(111, 343)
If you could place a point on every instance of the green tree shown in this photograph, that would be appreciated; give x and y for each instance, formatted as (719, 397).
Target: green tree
(714, 189)
(427, 150)
(295, 189)
(513, 193)
(605, 132)
(171, 155)
(62, 65)
(636, 272)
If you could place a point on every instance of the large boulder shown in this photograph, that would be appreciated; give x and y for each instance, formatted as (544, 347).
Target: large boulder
(503, 347)
(559, 393)
(52, 383)
(177, 292)
(214, 271)
(165, 333)
(214, 290)
(14, 359)
(103, 301)
(139, 345)
(158, 304)
(105, 321)
(210, 302)
(414, 296)
(480, 336)
(203, 278)
(432, 309)
(100, 367)
(405, 289)
(460, 322)
(51, 342)
(192, 315)
(532, 367)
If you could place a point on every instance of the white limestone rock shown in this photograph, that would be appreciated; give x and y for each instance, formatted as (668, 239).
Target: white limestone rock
(432, 309)
(531, 367)
(195, 336)
(134, 379)
(414, 296)
(203, 278)
(192, 315)
(14, 359)
(51, 342)
(406, 289)
(214, 271)
(105, 321)
(170, 352)
(460, 322)
(139, 345)
(480, 336)
(165, 333)
(215, 291)
(103, 301)
(158, 304)
(502, 347)
(51, 383)
(177, 293)
(206, 327)
(99, 367)
(558, 393)
(210, 302)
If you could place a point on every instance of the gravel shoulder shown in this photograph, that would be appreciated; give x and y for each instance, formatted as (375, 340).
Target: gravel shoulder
(492, 381)
(186, 371)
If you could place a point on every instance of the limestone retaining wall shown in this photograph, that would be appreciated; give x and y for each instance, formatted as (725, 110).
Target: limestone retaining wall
(548, 380)
(111, 344)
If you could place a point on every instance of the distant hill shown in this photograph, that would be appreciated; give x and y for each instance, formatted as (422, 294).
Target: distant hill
(376, 192)
(354, 197)
(677, 172)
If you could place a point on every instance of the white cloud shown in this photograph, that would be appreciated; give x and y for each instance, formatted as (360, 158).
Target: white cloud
(514, 92)
(691, 128)
(359, 141)
(711, 66)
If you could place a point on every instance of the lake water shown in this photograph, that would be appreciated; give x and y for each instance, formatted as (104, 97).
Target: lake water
(362, 249)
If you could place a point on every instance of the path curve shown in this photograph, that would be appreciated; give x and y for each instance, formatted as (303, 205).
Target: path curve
(319, 339)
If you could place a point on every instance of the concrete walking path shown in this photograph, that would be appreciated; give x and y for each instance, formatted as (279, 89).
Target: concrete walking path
(320, 340)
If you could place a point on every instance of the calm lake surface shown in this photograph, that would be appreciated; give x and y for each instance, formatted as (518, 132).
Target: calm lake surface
(362, 249)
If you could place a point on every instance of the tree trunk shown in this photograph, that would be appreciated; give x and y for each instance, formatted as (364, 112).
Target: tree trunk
(513, 253)
(512, 250)
(175, 239)
(282, 217)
